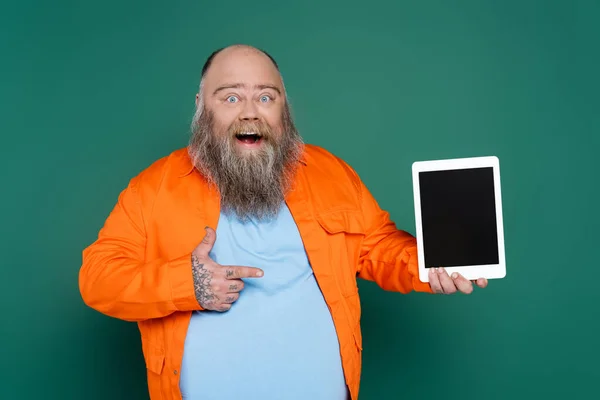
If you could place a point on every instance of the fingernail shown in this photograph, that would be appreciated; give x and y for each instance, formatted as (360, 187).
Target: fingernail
(454, 275)
(441, 270)
(259, 273)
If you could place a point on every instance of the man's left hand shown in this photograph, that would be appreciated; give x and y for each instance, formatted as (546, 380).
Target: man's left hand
(442, 283)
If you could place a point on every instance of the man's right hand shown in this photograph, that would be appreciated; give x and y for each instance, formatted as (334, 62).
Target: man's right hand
(217, 286)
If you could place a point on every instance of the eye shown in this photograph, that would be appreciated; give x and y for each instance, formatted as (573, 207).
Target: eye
(265, 98)
(231, 99)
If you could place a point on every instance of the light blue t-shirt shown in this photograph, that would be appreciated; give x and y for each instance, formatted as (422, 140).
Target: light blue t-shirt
(278, 340)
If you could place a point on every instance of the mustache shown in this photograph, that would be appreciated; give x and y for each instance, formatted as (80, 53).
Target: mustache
(258, 127)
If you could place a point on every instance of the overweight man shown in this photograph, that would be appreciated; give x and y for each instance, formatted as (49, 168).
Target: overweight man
(238, 256)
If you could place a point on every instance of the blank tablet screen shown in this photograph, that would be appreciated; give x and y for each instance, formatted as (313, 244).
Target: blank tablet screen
(458, 216)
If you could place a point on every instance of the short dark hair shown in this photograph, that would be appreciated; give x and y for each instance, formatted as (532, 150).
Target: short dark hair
(210, 58)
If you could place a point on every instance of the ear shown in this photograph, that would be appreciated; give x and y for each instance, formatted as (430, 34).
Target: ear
(197, 98)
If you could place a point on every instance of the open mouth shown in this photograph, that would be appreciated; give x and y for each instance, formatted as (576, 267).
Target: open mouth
(248, 137)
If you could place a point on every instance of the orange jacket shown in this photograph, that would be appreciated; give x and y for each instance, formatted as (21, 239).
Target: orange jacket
(139, 267)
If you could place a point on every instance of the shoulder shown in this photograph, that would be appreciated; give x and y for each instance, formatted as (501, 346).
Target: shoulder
(163, 170)
(334, 183)
(326, 165)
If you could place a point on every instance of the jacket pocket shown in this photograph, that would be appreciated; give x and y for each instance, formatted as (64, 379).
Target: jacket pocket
(154, 356)
(342, 222)
(345, 233)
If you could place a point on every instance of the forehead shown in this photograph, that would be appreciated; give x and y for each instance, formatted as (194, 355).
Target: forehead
(241, 66)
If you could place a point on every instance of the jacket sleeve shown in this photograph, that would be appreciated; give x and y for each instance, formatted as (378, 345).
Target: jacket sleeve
(388, 255)
(116, 279)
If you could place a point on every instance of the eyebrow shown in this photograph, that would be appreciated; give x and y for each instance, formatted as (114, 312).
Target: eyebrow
(242, 86)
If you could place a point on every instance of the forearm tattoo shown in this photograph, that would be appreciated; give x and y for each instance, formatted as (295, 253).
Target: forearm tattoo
(202, 278)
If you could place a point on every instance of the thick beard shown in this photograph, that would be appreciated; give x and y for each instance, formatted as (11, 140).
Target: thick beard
(252, 185)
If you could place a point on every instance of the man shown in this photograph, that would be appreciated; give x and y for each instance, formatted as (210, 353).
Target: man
(238, 256)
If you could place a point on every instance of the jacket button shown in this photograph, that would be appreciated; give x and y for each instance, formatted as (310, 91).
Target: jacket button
(175, 372)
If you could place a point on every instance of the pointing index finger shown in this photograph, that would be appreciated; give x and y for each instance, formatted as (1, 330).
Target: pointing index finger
(234, 272)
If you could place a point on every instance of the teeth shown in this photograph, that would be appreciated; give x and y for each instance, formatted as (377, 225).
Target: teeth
(248, 134)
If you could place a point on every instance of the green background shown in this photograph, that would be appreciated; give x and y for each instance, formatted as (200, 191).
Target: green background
(93, 92)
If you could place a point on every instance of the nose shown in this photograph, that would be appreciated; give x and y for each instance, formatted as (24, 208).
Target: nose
(249, 112)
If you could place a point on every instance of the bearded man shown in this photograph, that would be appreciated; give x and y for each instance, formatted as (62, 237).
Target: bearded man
(238, 256)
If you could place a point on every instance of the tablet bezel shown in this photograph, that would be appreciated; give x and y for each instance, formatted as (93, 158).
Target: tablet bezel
(472, 272)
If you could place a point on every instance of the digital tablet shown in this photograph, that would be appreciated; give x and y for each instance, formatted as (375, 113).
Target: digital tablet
(458, 216)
